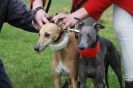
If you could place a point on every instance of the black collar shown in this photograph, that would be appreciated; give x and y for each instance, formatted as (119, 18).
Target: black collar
(59, 37)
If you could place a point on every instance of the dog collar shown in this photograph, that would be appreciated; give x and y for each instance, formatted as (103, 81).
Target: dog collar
(90, 52)
(60, 45)
(59, 37)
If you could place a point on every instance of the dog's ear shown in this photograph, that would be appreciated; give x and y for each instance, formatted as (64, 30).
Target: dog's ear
(79, 23)
(60, 23)
(98, 26)
(50, 19)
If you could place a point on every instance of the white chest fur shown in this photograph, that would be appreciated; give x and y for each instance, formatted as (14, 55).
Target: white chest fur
(62, 69)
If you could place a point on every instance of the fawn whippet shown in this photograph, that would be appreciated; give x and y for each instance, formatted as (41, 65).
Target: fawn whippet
(65, 54)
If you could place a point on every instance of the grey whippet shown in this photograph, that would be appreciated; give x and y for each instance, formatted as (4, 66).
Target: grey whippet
(96, 65)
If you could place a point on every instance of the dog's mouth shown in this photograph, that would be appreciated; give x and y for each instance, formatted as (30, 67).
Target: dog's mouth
(85, 46)
(39, 48)
(42, 45)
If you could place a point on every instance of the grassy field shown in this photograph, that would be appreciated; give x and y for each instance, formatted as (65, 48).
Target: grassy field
(28, 69)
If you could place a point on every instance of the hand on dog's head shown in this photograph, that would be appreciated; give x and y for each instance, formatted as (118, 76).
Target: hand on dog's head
(59, 23)
(50, 19)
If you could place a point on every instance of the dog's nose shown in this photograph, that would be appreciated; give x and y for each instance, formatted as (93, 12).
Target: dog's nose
(82, 48)
(36, 48)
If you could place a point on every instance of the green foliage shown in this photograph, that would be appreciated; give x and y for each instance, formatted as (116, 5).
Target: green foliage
(28, 69)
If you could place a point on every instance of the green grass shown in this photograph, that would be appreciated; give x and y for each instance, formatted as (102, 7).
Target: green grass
(28, 69)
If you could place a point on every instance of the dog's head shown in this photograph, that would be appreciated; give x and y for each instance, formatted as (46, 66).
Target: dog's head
(88, 34)
(47, 35)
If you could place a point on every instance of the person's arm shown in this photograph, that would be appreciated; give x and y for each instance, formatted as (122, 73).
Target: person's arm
(40, 15)
(39, 3)
(19, 16)
(70, 20)
(93, 8)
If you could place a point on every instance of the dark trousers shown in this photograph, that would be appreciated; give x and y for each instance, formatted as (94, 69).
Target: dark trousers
(4, 80)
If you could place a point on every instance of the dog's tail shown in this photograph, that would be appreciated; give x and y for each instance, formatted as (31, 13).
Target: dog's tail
(114, 60)
(106, 74)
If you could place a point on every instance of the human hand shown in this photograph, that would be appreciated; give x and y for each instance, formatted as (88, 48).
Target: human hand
(68, 20)
(41, 17)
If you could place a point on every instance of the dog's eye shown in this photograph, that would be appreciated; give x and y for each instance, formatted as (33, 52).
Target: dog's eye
(46, 34)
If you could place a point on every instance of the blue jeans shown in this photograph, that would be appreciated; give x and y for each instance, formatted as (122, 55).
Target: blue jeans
(4, 80)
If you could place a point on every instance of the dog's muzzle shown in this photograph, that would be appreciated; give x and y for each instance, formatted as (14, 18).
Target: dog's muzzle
(36, 48)
(39, 48)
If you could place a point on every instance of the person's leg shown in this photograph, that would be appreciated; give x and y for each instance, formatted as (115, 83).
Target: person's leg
(4, 80)
(123, 24)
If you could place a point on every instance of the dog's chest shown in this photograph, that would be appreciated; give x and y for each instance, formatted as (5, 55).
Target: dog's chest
(62, 69)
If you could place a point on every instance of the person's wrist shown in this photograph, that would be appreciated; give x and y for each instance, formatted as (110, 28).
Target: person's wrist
(37, 9)
(35, 13)
(80, 16)
(73, 17)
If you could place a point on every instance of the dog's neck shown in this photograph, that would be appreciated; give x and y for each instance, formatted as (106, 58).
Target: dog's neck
(93, 50)
(95, 43)
(61, 43)
(60, 37)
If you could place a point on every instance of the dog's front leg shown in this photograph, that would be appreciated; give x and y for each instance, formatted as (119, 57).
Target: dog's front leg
(100, 77)
(74, 82)
(82, 82)
(82, 73)
(57, 81)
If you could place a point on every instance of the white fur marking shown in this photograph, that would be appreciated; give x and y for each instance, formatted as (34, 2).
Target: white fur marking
(62, 69)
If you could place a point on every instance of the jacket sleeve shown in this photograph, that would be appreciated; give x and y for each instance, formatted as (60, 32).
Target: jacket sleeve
(19, 16)
(31, 2)
(95, 8)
